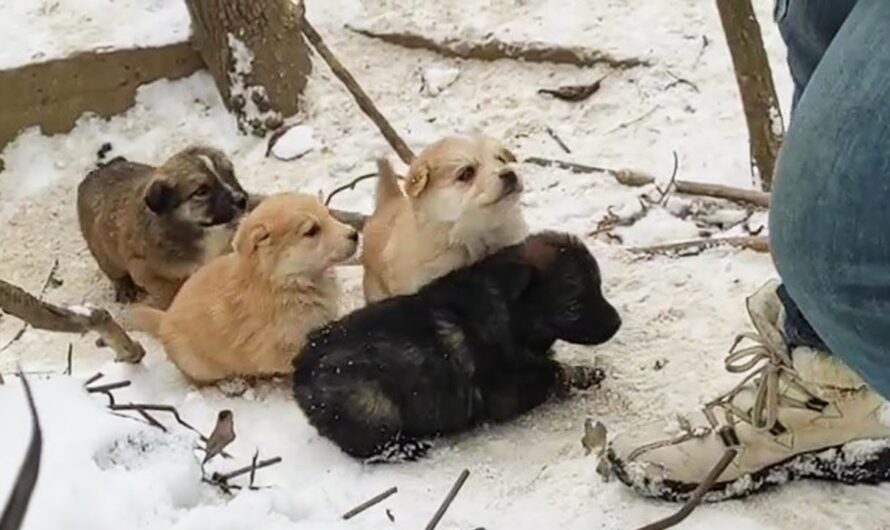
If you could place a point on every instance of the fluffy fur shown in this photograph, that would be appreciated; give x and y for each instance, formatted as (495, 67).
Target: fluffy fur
(474, 346)
(245, 314)
(460, 204)
(151, 228)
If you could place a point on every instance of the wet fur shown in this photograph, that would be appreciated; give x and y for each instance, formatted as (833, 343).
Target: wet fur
(147, 228)
(471, 347)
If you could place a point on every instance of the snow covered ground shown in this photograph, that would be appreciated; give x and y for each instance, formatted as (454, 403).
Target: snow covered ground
(102, 472)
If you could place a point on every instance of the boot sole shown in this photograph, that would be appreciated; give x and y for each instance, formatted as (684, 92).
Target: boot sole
(859, 462)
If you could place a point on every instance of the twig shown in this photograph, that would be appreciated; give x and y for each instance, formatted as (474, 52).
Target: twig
(558, 140)
(364, 102)
(17, 505)
(680, 81)
(697, 495)
(158, 408)
(49, 317)
(704, 45)
(667, 190)
(635, 120)
(151, 420)
(225, 477)
(493, 49)
(448, 500)
(69, 367)
(612, 220)
(348, 186)
(93, 378)
(377, 499)
(757, 198)
(108, 387)
(757, 244)
(626, 177)
(46, 283)
(256, 455)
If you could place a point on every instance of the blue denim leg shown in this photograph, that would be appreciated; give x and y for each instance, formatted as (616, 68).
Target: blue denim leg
(808, 27)
(830, 213)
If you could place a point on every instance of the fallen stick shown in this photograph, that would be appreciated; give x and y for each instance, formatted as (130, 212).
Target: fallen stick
(717, 191)
(17, 505)
(364, 102)
(348, 186)
(49, 317)
(157, 408)
(448, 500)
(50, 278)
(225, 477)
(755, 243)
(697, 495)
(627, 177)
(95, 377)
(493, 49)
(373, 501)
(108, 387)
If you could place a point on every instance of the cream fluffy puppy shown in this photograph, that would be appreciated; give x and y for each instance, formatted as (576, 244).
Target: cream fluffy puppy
(247, 314)
(460, 204)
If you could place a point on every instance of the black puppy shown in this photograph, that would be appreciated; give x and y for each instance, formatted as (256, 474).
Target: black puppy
(468, 348)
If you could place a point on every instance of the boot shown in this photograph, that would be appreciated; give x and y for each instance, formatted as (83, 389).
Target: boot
(805, 415)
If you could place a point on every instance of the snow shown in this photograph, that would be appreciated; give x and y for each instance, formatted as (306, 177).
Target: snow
(437, 78)
(294, 143)
(101, 470)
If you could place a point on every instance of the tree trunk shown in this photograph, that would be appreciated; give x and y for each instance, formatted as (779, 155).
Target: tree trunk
(753, 74)
(256, 53)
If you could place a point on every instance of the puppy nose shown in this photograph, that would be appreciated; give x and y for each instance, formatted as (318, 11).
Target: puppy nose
(353, 236)
(240, 201)
(510, 179)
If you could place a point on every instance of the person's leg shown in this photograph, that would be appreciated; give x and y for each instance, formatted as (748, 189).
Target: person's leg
(800, 413)
(829, 214)
(807, 27)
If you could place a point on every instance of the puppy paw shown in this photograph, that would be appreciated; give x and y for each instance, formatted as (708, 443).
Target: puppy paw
(401, 451)
(579, 377)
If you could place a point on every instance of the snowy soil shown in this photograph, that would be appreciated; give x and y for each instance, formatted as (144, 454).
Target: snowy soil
(105, 472)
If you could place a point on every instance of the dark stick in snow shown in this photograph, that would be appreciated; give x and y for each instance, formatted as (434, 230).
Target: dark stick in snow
(370, 502)
(448, 500)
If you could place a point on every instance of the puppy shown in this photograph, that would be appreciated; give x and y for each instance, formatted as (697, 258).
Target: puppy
(472, 347)
(247, 313)
(151, 228)
(460, 204)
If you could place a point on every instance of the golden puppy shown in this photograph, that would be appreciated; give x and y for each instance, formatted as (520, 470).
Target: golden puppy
(460, 204)
(248, 313)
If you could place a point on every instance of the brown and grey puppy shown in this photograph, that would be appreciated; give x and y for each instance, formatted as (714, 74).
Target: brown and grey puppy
(151, 228)
(248, 313)
(460, 204)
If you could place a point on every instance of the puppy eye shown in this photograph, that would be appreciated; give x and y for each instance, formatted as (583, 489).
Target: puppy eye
(202, 191)
(467, 174)
(313, 231)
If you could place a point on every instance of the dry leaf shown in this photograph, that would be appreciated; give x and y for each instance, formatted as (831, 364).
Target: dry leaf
(223, 434)
(573, 92)
(594, 438)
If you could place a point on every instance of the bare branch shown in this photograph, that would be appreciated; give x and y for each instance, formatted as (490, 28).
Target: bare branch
(627, 177)
(373, 501)
(448, 500)
(697, 246)
(558, 140)
(662, 200)
(635, 120)
(364, 102)
(493, 49)
(717, 191)
(348, 186)
(49, 317)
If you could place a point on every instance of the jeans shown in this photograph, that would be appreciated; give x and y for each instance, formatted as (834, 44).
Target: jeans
(830, 213)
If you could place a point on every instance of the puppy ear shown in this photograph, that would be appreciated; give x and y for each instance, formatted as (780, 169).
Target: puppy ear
(160, 197)
(418, 178)
(250, 237)
(506, 156)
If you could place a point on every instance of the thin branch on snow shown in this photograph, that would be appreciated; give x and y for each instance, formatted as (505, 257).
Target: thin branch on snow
(562, 145)
(348, 186)
(697, 246)
(17, 506)
(50, 280)
(364, 102)
(635, 120)
(757, 198)
(49, 317)
(626, 177)
(493, 49)
(448, 500)
(373, 501)
(662, 199)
